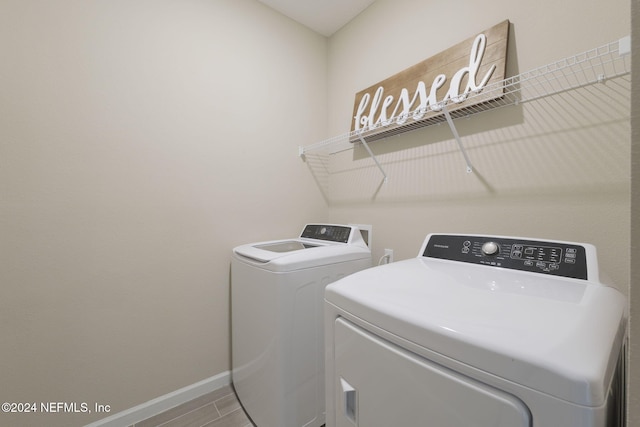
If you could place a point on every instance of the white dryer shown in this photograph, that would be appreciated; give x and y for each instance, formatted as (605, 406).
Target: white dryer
(277, 329)
(477, 331)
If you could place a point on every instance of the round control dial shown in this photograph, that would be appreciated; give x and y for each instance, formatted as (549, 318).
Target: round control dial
(490, 248)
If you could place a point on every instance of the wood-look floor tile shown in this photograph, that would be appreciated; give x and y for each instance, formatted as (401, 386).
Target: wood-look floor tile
(227, 404)
(196, 418)
(219, 408)
(236, 418)
(186, 407)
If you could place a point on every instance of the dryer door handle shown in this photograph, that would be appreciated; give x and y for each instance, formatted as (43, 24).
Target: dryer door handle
(349, 401)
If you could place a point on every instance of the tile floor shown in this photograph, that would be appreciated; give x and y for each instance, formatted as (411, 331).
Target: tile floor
(220, 408)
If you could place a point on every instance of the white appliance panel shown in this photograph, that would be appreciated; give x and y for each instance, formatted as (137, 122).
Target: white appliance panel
(382, 385)
(521, 328)
(277, 322)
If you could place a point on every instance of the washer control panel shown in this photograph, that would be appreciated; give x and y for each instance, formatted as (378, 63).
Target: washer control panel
(331, 233)
(553, 258)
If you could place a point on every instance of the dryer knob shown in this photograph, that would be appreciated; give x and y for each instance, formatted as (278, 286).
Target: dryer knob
(490, 248)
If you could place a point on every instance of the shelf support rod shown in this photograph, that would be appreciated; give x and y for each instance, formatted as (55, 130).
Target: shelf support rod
(386, 179)
(457, 137)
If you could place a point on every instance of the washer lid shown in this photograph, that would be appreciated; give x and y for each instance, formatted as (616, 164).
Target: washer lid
(556, 335)
(318, 245)
(290, 255)
(284, 246)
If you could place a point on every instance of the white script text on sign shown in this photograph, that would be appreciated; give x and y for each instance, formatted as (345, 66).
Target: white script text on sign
(386, 107)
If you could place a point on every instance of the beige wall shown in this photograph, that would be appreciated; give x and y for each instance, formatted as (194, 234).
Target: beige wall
(128, 170)
(634, 292)
(551, 169)
(557, 168)
(139, 142)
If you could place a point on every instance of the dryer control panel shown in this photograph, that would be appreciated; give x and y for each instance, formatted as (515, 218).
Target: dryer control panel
(545, 257)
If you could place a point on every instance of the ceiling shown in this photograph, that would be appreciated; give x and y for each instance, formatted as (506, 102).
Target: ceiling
(323, 16)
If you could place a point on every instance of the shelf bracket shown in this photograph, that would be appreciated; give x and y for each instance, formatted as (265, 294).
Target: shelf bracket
(386, 179)
(457, 137)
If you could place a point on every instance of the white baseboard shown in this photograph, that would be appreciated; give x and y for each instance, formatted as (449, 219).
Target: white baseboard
(163, 403)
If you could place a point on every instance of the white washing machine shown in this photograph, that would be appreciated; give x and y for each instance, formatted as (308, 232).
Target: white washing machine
(277, 329)
(477, 331)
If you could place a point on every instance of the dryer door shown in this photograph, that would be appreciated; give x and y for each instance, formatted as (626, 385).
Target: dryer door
(378, 384)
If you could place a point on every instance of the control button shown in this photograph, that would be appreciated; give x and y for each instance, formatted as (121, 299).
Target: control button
(570, 261)
(490, 248)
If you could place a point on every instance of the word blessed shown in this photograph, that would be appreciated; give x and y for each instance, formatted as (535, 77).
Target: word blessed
(422, 100)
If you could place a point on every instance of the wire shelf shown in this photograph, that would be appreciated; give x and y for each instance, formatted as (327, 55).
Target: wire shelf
(591, 67)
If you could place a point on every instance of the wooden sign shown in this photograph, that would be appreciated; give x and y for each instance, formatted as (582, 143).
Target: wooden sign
(415, 96)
